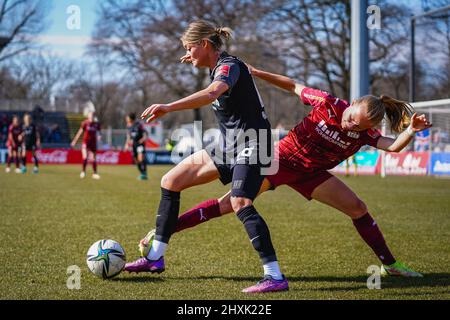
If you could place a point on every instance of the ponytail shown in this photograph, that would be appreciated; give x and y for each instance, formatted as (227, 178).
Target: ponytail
(201, 30)
(397, 112)
(225, 33)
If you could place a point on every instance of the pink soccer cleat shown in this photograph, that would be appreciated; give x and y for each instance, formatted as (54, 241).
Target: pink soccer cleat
(146, 265)
(268, 284)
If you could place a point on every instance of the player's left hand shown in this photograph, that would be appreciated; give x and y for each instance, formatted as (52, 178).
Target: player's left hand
(419, 123)
(154, 111)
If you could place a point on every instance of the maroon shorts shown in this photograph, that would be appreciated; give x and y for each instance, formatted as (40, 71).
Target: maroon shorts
(302, 182)
(90, 146)
(9, 146)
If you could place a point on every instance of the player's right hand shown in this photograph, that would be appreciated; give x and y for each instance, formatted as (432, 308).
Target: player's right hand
(186, 58)
(154, 111)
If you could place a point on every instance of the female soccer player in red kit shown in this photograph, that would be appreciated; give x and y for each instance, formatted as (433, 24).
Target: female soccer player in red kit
(13, 143)
(333, 131)
(91, 129)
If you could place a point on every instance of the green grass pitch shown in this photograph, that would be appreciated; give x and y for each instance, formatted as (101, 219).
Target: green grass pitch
(49, 220)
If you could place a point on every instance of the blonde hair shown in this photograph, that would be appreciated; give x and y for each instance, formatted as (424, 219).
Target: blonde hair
(200, 30)
(397, 112)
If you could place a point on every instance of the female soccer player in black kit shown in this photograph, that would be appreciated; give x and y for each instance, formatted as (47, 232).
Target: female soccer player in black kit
(137, 135)
(239, 158)
(31, 142)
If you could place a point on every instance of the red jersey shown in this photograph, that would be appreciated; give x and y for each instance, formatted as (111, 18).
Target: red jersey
(90, 131)
(318, 142)
(15, 133)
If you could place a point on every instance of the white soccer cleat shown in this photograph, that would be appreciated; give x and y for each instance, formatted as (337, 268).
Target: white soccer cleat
(18, 170)
(95, 176)
(82, 175)
(8, 170)
(146, 243)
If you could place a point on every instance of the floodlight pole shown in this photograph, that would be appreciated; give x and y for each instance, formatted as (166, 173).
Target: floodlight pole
(359, 50)
(412, 62)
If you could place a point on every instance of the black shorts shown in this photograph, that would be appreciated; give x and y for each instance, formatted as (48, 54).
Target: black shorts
(30, 147)
(138, 149)
(246, 178)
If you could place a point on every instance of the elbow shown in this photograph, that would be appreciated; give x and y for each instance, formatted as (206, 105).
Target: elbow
(213, 95)
(395, 150)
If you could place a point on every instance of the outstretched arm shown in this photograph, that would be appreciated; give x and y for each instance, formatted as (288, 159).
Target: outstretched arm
(127, 142)
(418, 123)
(277, 80)
(77, 136)
(194, 101)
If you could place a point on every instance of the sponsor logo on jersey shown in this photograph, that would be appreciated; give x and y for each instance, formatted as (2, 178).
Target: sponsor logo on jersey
(331, 135)
(330, 114)
(313, 97)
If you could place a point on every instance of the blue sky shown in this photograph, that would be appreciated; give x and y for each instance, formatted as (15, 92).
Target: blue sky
(72, 43)
(59, 38)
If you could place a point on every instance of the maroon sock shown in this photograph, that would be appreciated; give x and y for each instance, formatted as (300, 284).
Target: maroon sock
(94, 166)
(85, 161)
(201, 213)
(371, 234)
(17, 161)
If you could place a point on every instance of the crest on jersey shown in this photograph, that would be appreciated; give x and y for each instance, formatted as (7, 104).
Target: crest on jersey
(224, 71)
(330, 114)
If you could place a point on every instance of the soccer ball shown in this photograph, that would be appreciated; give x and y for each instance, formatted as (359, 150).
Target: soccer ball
(106, 258)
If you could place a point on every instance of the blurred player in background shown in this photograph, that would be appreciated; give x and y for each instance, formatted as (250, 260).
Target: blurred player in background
(31, 141)
(137, 136)
(91, 129)
(348, 162)
(333, 131)
(13, 144)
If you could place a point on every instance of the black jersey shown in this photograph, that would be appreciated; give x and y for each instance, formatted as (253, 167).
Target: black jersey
(30, 134)
(240, 109)
(136, 132)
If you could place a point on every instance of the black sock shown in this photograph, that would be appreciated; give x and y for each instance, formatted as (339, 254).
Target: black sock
(36, 161)
(139, 167)
(144, 167)
(167, 218)
(258, 232)
(24, 161)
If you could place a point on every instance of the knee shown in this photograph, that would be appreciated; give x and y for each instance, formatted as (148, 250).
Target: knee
(167, 182)
(358, 209)
(237, 203)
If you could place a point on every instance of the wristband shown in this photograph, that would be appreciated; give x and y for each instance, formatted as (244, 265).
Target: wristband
(410, 132)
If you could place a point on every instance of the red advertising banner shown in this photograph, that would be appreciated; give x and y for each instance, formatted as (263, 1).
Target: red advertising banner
(406, 163)
(70, 156)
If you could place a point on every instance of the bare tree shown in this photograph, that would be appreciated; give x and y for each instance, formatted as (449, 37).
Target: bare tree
(20, 21)
(314, 38)
(144, 38)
